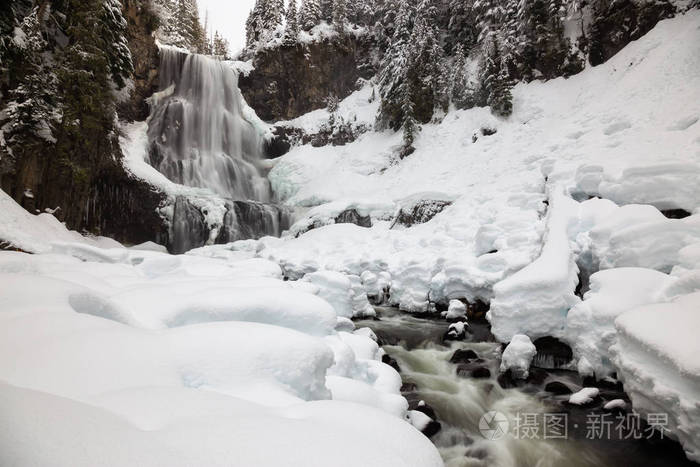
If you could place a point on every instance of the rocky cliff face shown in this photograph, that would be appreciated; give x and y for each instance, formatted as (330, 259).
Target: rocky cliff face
(79, 169)
(144, 53)
(289, 81)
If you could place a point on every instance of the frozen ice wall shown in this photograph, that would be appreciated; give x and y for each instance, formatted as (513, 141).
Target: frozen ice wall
(199, 132)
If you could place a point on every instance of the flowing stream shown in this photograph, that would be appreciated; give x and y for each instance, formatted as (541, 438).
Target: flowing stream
(460, 402)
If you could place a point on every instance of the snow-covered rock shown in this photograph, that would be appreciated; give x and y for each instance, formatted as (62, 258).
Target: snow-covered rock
(517, 356)
(584, 396)
(456, 310)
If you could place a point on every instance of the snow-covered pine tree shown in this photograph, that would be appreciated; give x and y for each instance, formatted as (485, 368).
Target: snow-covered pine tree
(427, 64)
(360, 12)
(113, 31)
(409, 125)
(393, 69)
(461, 28)
(340, 14)
(309, 14)
(489, 16)
(460, 93)
(220, 46)
(31, 106)
(496, 81)
(543, 48)
(291, 29)
(326, 10)
(253, 25)
(272, 17)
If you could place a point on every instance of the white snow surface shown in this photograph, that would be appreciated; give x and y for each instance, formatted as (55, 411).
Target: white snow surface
(657, 357)
(203, 359)
(584, 396)
(607, 132)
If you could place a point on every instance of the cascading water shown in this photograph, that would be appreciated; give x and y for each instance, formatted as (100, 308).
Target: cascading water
(202, 134)
(461, 401)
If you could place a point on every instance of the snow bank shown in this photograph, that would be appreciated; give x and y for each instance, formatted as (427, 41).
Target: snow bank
(656, 355)
(132, 351)
(535, 300)
(37, 233)
(590, 325)
(344, 292)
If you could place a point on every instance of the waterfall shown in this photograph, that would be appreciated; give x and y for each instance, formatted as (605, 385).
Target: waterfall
(202, 134)
(201, 131)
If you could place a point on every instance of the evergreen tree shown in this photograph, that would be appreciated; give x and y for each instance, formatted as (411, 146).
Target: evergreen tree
(489, 15)
(496, 83)
(394, 67)
(112, 29)
(272, 17)
(340, 14)
(460, 92)
(220, 46)
(409, 126)
(309, 14)
(291, 30)
(326, 10)
(32, 103)
(253, 25)
(427, 69)
(461, 28)
(360, 12)
(543, 47)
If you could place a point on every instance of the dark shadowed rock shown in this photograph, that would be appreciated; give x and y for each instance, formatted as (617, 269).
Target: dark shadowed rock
(463, 356)
(391, 362)
(351, 216)
(558, 388)
(289, 81)
(551, 353)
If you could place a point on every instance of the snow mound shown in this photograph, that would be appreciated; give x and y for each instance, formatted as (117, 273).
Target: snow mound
(140, 350)
(39, 233)
(656, 355)
(518, 355)
(590, 324)
(584, 396)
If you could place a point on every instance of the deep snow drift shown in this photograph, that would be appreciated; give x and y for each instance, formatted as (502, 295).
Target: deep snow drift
(141, 357)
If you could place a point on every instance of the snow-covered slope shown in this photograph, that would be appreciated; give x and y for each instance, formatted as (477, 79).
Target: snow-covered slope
(38, 233)
(521, 231)
(627, 131)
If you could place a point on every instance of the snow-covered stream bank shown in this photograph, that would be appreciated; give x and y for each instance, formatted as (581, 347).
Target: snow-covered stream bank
(460, 401)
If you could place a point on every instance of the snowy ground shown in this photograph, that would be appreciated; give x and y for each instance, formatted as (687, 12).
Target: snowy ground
(187, 360)
(521, 231)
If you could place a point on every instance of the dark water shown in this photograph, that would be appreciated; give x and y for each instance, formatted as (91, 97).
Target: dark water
(461, 401)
